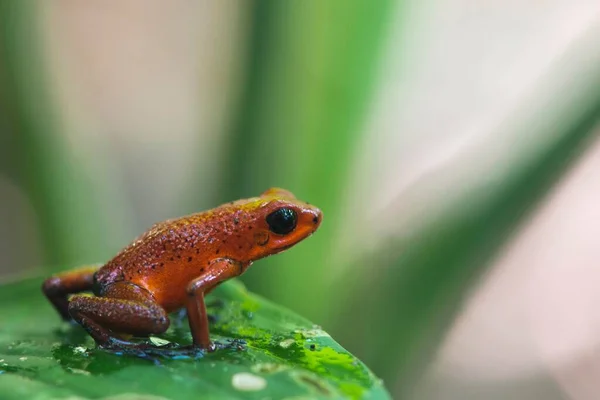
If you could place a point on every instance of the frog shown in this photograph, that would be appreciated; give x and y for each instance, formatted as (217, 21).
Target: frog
(177, 262)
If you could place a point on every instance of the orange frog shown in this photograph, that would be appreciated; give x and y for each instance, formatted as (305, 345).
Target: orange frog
(176, 263)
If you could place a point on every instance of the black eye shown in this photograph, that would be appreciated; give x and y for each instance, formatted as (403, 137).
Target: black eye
(282, 221)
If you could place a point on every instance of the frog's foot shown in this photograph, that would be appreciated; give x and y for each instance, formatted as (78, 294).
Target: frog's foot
(148, 350)
(117, 344)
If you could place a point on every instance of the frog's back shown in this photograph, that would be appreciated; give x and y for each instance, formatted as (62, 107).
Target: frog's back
(163, 245)
(169, 255)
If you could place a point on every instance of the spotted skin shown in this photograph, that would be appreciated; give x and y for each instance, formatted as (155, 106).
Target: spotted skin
(178, 261)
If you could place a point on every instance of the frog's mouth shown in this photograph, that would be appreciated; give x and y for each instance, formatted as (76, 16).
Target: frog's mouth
(292, 243)
(284, 247)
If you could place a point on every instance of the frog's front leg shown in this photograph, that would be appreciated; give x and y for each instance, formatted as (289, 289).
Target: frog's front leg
(58, 287)
(217, 272)
(181, 315)
(124, 308)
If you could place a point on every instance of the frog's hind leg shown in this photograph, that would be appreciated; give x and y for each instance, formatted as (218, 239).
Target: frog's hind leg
(124, 308)
(58, 287)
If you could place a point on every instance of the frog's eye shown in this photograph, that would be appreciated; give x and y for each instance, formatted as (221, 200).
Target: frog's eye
(282, 221)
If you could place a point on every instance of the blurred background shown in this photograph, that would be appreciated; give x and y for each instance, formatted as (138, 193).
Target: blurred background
(452, 146)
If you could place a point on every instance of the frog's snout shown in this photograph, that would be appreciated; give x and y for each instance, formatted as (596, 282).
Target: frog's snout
(313, 218)
(317, 218)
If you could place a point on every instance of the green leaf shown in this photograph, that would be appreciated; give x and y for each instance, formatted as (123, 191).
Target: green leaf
(44, 358)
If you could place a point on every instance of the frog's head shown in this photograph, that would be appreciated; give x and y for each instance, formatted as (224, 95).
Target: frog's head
(281, 221)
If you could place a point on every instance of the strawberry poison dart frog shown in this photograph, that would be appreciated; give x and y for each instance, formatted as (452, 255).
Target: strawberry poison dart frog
(176, 263)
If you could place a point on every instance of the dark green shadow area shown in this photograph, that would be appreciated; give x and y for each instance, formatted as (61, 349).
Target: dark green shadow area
(41, 356)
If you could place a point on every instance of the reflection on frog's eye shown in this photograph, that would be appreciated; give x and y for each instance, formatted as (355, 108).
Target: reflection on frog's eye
(282, 221)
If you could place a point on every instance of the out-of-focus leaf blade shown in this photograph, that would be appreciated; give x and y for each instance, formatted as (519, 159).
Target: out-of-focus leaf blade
(307, 83)
(65, 196)
(422, 279)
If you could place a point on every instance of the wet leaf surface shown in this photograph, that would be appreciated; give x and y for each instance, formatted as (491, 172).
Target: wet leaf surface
(264, 352)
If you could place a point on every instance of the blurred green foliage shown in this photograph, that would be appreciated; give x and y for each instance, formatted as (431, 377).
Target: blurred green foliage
(66, 197)
(429, 272)
(309, 75)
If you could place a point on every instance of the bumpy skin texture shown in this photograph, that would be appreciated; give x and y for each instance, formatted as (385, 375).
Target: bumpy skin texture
(174, 264)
